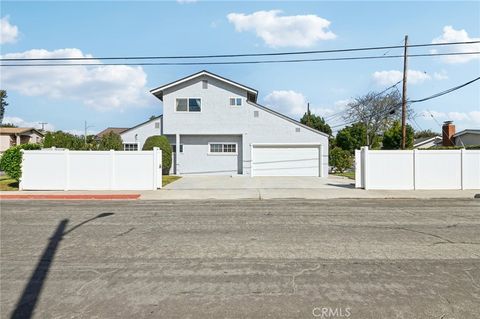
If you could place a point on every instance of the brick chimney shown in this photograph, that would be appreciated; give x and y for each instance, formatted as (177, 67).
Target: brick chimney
(448, 130)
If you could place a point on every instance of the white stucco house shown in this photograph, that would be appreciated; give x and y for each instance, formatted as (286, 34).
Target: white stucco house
(134, 137)
(221, 129)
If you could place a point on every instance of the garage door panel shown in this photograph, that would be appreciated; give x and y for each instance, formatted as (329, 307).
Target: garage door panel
(285, 161)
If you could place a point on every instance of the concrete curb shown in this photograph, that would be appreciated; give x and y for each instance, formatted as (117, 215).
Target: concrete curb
(70, 197)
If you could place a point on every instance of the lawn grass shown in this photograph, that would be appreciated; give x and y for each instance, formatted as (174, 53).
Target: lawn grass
(8, 184)
(350, 175)
(167, 179)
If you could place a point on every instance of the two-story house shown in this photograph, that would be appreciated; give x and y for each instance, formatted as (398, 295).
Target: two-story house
(221, 129)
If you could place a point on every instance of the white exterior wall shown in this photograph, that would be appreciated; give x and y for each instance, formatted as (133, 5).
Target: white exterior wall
(418, 169)
(140, 133)
(4, 142)
(91, 170)
(217, 117)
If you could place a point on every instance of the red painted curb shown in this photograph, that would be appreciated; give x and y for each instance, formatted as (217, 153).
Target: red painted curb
(70, 197)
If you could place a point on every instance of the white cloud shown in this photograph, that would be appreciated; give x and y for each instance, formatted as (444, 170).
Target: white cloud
(22, 123)
(442, 75)
(393, 76)
(99, 87)
(452, 35)
(8, 32)
(294, 104)
(289, 102)
(283, 31)
(471, 118)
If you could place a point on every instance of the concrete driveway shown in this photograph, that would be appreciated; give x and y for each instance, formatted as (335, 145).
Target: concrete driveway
(259, 182)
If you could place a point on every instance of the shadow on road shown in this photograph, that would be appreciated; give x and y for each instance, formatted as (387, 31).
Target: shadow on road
(31, 293)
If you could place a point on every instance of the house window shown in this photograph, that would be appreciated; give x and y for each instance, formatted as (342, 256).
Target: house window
(217, 148)
(189, 105)
(174, 148)
(204, 84)
(255, 113)
(235, 101)
(130, 147)
(157, 124)
(182, 105)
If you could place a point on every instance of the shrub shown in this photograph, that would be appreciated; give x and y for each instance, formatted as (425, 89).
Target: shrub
(11, 161)
(111, 141)
(162, 143)
(340, 159)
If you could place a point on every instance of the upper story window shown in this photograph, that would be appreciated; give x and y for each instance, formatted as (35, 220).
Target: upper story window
(157, 124)
(189, 105)
(235, 101)
(204, 84)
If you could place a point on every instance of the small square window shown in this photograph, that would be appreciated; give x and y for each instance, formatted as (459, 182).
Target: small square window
(157, 124)
(239, 102)
(297, 129)
(204, 84)
(194, 105)
(232, 101)
(255, 113)
(182, 105)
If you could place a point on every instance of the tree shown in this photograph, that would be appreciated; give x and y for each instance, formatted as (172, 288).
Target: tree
(3, 104)
(61, 139)
(426, 133)
(316, 122)
(353, 137)
(111, 141)
(162, 143)
(8, 125)
(340, 159)
(392, 138)
(377, 111)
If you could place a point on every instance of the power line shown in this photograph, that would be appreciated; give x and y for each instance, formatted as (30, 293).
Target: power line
(446, 91)
(420, 100)
(240, 62)
(239, 55)
(332, 116)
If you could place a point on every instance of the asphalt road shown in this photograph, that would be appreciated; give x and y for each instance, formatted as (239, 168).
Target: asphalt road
(241, 259)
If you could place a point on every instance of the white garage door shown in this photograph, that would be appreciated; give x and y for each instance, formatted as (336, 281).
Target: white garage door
(286, 160)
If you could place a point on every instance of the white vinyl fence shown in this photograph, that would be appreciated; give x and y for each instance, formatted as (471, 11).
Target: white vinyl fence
(417, 169)
(91, 170)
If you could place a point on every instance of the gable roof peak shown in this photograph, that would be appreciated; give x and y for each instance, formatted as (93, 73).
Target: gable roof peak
(158, 92)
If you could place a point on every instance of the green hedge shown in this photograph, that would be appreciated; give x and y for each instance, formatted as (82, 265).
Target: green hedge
(11, 161)
(162, 143)
(467, 147)
(340, 160)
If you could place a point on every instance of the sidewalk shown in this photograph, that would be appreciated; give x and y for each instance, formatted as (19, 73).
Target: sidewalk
(232, 194)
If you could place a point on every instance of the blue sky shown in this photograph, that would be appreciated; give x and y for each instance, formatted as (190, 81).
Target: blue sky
(118, 96)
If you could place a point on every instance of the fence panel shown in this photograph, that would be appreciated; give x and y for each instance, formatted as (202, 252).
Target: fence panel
(418, 169)
(91, 170)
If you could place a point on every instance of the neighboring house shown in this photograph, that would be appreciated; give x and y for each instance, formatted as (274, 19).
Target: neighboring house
(221, 129)
(463, 138)
(12, 136)
(116, 130)
(427, 142)
(467, 137)
(134, 138)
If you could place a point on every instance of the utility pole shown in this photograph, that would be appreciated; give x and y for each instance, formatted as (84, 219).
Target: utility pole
(404, 94)
(43, 125)
(86, 127)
